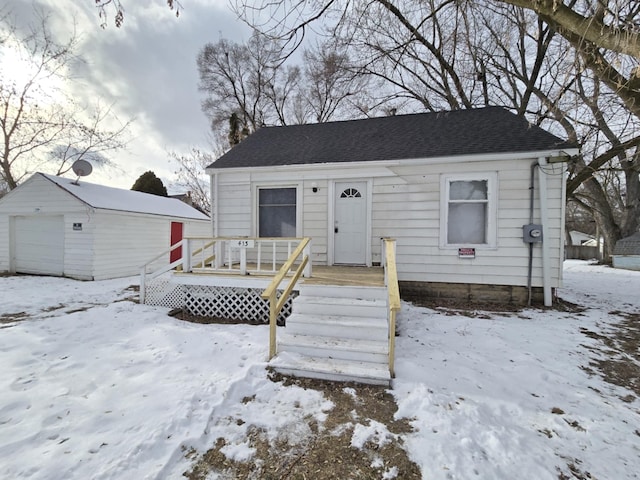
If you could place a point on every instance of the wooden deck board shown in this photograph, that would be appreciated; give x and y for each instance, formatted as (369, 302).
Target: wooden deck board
(321, 275)
(347, 276)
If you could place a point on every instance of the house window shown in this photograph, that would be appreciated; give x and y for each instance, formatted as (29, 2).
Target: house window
(277, 212)
(469, 211)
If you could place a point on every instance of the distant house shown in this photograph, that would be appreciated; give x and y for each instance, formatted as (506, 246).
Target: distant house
(455, 189)
(579, 238)
(54, 226)
(626, 253)
(584, 246)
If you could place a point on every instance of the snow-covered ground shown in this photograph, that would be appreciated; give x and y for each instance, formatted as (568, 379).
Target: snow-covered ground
(93, 386)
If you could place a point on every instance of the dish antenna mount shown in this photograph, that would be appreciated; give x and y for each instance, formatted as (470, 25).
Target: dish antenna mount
(82, 168)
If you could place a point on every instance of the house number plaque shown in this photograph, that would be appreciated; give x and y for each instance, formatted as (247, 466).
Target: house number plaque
(243, 243)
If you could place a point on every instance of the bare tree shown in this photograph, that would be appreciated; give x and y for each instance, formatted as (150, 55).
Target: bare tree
(118, 10)
(444, 54)
(247, 86)
(243, 79)
(42, 125)
(192, 177)
(333, 86)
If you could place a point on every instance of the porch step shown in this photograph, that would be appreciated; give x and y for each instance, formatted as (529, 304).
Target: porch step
(342, 291)
(341, 306)
(335, 348)
(334, 326)
(331, 369)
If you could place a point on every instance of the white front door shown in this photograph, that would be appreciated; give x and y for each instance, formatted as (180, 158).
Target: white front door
(350, 223)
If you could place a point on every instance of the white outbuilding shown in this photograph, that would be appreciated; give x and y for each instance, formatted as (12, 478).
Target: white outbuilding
(57, 226)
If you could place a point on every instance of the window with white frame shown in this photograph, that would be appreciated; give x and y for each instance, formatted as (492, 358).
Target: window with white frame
(469, 210)
(277, 212)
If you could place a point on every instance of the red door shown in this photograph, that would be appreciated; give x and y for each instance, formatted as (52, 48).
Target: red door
(176, 236)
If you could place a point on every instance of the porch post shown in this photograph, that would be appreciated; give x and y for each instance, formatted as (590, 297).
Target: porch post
(306, 252)
(186, 255)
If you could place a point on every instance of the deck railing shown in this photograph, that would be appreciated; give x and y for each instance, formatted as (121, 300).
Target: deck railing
(271, 292)
(393, 292)
(229, 255)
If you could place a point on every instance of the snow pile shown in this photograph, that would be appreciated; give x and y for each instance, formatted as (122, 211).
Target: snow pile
(95, 386)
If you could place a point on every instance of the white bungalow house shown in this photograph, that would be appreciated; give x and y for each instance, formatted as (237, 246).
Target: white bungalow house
(466, 204)
(57, 226)
(453, 188)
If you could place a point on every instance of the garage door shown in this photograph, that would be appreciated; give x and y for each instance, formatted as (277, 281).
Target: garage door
(39, 245)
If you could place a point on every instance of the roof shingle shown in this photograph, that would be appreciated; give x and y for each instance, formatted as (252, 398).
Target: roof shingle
(423, 135)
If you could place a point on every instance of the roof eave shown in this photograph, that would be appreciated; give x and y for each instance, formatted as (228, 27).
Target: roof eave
(559, 154)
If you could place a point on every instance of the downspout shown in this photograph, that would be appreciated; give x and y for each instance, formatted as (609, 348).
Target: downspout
(214, 218)
(544, 220)
(534, 165)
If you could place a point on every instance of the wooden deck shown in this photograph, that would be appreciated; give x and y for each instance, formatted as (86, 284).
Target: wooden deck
(346, 276)
(321, 275)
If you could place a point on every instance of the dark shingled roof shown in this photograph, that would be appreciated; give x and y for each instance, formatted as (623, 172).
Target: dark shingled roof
(423, 135)
(628, 246)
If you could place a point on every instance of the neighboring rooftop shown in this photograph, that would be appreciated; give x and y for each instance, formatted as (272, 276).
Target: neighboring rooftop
(109, 198)
(628, 246)
(422, 135)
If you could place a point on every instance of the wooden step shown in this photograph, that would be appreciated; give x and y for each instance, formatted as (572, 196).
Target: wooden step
(331, 369)
(341, 291)
(363, 328)
(354, 307)
(333, 347)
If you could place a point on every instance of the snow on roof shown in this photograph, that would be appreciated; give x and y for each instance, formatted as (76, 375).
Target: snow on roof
(109, 198)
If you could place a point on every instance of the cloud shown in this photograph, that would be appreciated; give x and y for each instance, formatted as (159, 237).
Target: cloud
(146, 68)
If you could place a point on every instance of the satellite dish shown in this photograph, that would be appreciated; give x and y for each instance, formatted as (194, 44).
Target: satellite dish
(82, 168)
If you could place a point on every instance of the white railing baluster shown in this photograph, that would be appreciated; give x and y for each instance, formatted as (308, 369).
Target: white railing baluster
(259, 255)
(274, 256)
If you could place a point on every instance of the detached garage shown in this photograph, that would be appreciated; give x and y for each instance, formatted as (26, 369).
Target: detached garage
(54, 226)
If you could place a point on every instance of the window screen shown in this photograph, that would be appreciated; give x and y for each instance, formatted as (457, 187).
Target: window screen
(467, 212)
(277, 212)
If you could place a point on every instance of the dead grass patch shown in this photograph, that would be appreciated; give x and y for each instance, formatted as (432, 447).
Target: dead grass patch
(618, 353)
(328, 453)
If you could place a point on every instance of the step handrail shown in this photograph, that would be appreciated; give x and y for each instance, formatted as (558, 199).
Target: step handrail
(270, 293)
(393, 293)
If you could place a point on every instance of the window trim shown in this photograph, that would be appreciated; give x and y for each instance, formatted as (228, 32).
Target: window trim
(492, 208)
(256, 202)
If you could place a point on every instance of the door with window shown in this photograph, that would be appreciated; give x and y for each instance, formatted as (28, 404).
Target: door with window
(350, 223)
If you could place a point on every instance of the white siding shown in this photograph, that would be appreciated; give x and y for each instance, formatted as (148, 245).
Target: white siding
(125, 242)
(315, 218)
(406, 206)
(78, 245)
(234, 210)
(195, 228)
(4, 242)
(37, 196)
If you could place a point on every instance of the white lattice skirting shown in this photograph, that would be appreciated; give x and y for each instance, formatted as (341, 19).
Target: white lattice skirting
(237, 303)
(163, 293)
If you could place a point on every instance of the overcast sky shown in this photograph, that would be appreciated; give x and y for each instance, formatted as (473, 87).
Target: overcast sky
(148, 68)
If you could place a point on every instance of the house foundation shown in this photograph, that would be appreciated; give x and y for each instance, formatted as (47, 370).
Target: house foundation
(470, 292)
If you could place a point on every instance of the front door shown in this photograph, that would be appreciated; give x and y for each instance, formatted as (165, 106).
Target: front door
(350, 223)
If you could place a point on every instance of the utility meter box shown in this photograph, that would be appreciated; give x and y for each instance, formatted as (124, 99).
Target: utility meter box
(532, 233)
